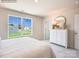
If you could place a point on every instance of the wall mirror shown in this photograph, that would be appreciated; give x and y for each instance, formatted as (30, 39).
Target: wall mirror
(61, 19)
(59, 22)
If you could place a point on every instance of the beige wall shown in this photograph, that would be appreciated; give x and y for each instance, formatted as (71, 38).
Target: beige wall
(37, 23)
(69, 14)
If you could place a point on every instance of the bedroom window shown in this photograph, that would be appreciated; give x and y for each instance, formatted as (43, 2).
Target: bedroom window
(19, 26)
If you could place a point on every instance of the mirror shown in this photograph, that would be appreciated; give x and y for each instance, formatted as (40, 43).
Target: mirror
(61, 19)
(59, 22)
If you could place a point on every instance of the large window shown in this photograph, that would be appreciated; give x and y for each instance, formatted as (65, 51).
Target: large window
(19, 26)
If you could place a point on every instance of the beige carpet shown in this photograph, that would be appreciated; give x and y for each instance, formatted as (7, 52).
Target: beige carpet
(62, 52)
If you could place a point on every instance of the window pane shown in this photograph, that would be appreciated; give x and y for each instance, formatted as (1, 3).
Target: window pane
(27, 26)
(19, 26)
(14, 26)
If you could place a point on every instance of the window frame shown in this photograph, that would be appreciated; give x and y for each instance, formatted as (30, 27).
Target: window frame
(21, 24)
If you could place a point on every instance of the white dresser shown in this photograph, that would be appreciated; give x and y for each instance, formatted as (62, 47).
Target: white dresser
(59, 36)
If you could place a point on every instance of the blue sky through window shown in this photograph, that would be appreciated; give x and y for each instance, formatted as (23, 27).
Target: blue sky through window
(17, 20)
(27, 22)
(14, 20)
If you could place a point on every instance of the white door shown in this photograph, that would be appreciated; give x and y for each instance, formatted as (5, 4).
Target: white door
(76, 27)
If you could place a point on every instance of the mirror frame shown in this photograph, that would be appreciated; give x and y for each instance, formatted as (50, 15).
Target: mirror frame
(62, 17)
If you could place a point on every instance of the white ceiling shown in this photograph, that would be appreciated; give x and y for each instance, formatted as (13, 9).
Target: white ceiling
(42, 8)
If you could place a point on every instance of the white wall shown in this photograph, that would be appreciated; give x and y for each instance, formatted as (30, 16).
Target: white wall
(37, 23)
(69, 14)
